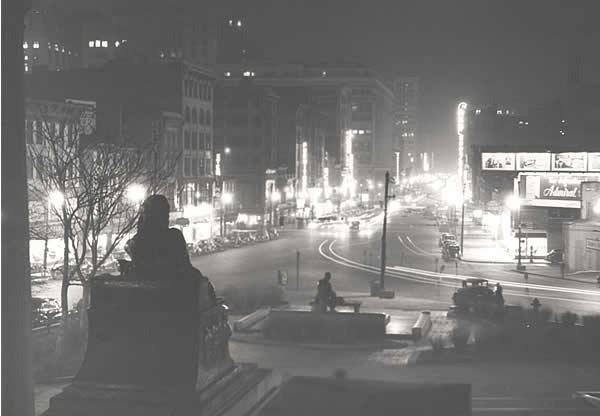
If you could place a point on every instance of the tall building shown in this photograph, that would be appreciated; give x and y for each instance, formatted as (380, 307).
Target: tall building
(51, 38)
(184, 35)
(406, 90)
(355, 101)
(246, 136)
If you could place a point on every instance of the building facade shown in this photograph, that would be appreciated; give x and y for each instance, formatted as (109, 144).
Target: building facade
(406, 123)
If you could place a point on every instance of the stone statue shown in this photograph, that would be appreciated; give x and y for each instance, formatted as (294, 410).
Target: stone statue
(159, 252)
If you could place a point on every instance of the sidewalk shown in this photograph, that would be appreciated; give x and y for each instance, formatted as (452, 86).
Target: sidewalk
(553, 271)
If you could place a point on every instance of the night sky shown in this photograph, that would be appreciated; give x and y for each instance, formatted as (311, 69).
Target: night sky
(484, 51)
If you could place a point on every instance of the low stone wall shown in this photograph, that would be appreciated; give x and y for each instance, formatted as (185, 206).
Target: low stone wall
(326, 327)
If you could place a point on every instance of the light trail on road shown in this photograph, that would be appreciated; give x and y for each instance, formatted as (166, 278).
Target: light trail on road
(432, 278)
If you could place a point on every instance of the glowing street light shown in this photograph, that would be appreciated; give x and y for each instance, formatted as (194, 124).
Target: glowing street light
(227, 198)
(56, 199)
(513, 202)
(136, 193)
(275, 196)
(227, 150)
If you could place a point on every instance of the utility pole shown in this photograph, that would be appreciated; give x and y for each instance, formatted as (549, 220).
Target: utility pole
(462, 222)
(384, 233)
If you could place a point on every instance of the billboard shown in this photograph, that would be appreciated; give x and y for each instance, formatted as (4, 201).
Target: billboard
(569, 161)
(553, 190)
(498, 161)
(533, 161)
(593, 162)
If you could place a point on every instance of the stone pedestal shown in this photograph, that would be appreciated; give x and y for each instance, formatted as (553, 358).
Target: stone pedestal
(157, 348)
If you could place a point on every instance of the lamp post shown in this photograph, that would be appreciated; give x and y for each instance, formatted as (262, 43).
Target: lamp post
(514, 203)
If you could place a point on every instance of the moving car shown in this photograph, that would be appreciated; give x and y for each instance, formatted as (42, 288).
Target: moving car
(355, 225)
(475, 295)
(555, 256)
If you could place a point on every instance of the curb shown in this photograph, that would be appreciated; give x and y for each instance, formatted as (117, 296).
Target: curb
(389, 344)
(553, 277)
(54, 380)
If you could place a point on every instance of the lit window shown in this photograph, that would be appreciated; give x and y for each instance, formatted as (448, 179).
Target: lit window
(246, 73)
(62, 50)
(499, 112)
(91, 43)
(26, 68)
(25, 45)
(97, 43)
(478, 111)
(26, 58)
(227, 74)
(563, 121)
(527, 123)
(69, 52)
(117, 43)
(56, 48)
(239, 23)
(36, 44)
(124, 41)
(230, 22)
(252, 74)
(162, 54)
(105, 44)
(361, 132)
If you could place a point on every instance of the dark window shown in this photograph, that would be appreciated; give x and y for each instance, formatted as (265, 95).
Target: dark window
(194, 167)
(195, 141)
(186, 140)
(194, 116)
(208, 117)
(187, 114)
(186, 166)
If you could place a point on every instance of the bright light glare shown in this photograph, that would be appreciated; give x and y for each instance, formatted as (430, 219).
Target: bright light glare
(597, 207)
(227, 198)
(275, 196)
(56, 199)
(477, 213)
(513, 202)
(136, 193)
(227, 150)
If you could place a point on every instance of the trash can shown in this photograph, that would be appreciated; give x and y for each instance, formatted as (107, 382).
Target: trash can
(375, 287)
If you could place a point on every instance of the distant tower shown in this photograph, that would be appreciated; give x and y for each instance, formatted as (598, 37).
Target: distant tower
(406, 90)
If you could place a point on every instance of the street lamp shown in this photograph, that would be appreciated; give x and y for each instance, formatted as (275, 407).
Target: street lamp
(514, 204)
(136, 193)
(227, 150)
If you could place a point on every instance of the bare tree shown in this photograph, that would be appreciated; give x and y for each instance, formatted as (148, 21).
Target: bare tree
(95, 180)
(112, 180)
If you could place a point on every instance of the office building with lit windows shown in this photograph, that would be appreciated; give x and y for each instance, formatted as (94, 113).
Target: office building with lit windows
(406, 91)
(51, 39)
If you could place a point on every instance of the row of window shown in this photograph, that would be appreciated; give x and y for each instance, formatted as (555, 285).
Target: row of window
(195, 166)
(36, 130)
(197, 117)
(196, 141)
(104, 43)
(197, 89)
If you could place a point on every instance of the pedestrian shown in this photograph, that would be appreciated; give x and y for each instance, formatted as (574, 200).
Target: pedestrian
(499, 297)
(442, 268)
(536, 305)
(563, 268)
(326, 297)
(598, 280)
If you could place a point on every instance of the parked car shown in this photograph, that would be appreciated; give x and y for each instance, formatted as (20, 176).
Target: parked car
(44, 311)
(450, 251)
(355, 225)
(555, 256)
(446, 237)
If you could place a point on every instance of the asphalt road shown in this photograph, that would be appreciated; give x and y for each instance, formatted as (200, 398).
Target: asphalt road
(353, 258)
